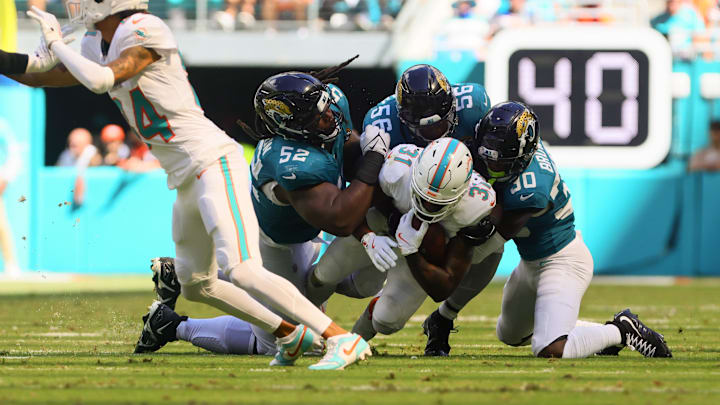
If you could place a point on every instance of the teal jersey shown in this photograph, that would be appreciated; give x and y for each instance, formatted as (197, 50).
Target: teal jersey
(539, 185)
(294, 165)
(472, 105)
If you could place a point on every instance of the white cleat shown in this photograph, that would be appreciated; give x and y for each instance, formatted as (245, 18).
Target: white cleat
(300, 341)
(343, 350)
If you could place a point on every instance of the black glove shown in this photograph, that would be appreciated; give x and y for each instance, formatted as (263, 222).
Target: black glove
(478, 234)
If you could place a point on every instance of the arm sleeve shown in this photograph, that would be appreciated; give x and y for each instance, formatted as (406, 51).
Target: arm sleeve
(13, 63)
(97, 78)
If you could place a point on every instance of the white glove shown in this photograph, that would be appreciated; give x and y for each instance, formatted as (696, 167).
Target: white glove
(48, 24)
(375, 139)
(408, 238)
(43, 59)
(379, 248)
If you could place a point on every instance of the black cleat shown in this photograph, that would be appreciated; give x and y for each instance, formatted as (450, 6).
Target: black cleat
(160, 325)
(167, 286)
(611, 350)
(437, 328)
(637, 336)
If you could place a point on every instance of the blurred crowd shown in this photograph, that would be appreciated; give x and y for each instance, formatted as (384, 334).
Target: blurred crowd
(230, 15)
(691, 26)
(111, 148)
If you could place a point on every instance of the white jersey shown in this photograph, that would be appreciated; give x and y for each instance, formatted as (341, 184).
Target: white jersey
(395, 181)
(159, 103)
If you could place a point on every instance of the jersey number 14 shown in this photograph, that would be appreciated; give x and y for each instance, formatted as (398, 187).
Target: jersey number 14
(148, 122)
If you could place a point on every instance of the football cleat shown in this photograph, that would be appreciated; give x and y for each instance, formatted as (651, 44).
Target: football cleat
(167, 285)
(637, 336)
(160, 326)
(343, 350)
(611, 350)
(437, 328)
(304, 340)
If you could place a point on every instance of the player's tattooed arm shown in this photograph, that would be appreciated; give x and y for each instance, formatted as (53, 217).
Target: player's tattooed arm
(440, 281)
(58, 76)
(131, 62)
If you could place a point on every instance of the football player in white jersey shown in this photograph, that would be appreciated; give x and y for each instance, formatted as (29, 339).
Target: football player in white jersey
(133, 56)
(434, 184)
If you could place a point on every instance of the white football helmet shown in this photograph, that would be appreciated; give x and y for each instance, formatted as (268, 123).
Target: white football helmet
(440, 177)
(88, 12)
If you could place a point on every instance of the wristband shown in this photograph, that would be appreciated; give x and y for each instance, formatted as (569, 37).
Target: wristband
(370, 167)
(13, 63)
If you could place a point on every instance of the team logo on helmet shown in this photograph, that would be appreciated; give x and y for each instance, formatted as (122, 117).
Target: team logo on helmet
(277, 110)
(398, 92)
(526, 125)
(443, 83)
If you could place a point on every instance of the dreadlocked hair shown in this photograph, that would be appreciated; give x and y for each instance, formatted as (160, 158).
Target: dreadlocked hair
(259, 133)
(327, 75)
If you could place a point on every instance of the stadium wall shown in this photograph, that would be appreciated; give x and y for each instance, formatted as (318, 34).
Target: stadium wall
(644, 222)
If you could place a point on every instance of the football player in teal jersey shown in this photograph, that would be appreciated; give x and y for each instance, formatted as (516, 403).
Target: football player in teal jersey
(426, 106)
(541, 298)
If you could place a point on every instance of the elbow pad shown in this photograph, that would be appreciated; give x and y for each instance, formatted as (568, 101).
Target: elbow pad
(370, 168)
(478, 234)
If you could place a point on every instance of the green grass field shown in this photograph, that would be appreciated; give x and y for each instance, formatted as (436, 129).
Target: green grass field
(75, 347)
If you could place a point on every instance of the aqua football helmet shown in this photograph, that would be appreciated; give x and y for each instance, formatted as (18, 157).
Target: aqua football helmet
(440, 177)
(425, 103)
(296, 105)
(505, 141)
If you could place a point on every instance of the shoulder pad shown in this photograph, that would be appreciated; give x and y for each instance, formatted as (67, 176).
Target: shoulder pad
(147, 30)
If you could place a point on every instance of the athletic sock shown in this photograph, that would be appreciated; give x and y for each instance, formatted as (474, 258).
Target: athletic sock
(224, 334)
(447, 311)
(584, 341)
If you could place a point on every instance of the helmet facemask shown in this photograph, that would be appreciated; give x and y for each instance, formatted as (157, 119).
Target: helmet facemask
(439, 179)
(505, 141)
(306, 117)
(88, 12)
(434, 126)
(426, 103)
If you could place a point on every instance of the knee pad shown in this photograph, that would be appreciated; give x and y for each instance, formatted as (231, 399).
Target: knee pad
(362, 284)
(196, 291)
(386, 328)
(245, 273)
(507, 336)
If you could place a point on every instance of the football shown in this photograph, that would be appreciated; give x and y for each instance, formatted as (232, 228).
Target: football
(434, 243)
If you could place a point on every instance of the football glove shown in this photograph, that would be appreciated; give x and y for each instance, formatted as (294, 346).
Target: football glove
(408, 238)
(48, 24)
(43, 59)
(379, 248)
(374, 139)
